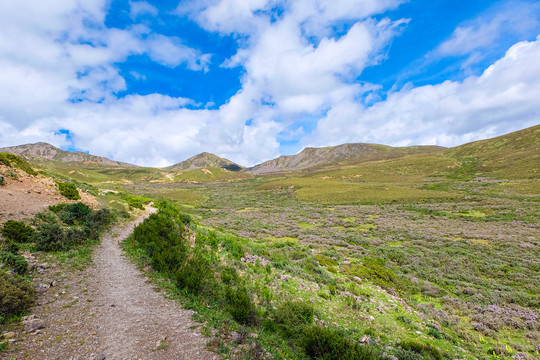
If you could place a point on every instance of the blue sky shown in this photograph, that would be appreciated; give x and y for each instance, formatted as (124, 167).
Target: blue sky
(154, 82)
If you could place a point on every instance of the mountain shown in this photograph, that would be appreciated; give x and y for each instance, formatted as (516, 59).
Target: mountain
(514, 155)
(45, 151)
(346, 154)
(206, 160)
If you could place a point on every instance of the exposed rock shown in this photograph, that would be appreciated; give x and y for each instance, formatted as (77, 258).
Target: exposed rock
(236, 337)
(8, 335)
(252, 259)
(33, 324)
(285, 277)
(364, 339)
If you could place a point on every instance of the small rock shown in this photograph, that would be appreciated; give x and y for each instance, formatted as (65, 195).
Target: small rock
(45, 265)
(9, 335)
(236, 337)
(285, 277)
(364, 339)
(32, 325)
(101, 357)
(253, 335)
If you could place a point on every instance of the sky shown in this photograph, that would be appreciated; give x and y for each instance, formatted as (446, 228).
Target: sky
(155, 82)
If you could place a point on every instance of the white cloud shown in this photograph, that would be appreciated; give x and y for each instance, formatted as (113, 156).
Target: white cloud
(53, 50)
(503, 99)
(138, 8)
(171, 52)
(476, 37)
(298, 71)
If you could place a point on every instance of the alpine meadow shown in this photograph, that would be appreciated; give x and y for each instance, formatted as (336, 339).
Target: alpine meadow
(256, 179)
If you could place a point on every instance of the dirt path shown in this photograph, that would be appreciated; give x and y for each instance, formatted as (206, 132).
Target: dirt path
(110, 311)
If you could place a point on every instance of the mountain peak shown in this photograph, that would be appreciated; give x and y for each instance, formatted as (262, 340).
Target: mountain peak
(350, 153)
(46, 151)
(206, 160)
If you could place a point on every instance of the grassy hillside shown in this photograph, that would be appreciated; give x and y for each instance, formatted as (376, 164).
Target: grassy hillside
(511, 156)
(311, 159)
(206, 160)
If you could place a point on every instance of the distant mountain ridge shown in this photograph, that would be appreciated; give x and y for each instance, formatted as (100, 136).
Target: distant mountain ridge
(351, 153)
(46, 151)
(205, 160)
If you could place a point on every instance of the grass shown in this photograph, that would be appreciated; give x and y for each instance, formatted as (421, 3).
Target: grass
(439, 250)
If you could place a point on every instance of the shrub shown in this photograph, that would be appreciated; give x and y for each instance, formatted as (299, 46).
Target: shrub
(239, 305)
(291, 316)
(15, 261)
(233, 247)
(17, 231)
(57, 208)
(434, 332)
(98, 220)
(16, 296)
(374, 270)
(403, 354)
(50, 237)
(161, 238)
(2, 181)
(229, 275)
(428, 352)
(324, 343)
(69, 191)
(135, 203)
(9, 246)
(196, 276)
(74, 212)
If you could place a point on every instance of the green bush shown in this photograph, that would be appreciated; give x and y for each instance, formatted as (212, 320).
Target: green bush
(69, 191)
(17, 231)
(15, 261)
(292, 316)
(229, 275)
(50, 236)
(57, 208)
(9, 246)
(16, 296)
(327, 344)
(96, 221)
(231, 245)
(428, 352)
(74, 212)
(196, 276)
(403, 354)
(239, 305)
(2, 181)
(374, 270)
(162, 240)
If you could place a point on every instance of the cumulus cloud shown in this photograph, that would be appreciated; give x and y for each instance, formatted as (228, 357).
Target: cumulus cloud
(139, 8)
(503, 99)
(477, 37)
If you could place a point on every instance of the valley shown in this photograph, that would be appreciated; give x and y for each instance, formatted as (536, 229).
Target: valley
(394, 253)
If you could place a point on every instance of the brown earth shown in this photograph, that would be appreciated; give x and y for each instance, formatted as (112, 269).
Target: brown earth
(24, 195)
(108, 311)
